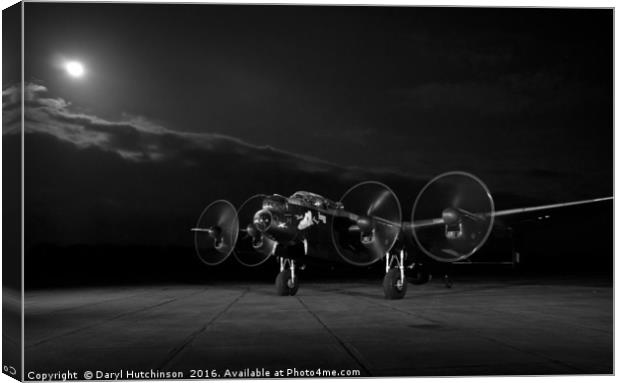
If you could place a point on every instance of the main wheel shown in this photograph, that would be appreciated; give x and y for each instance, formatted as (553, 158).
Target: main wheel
(393, 286)
(285, 284)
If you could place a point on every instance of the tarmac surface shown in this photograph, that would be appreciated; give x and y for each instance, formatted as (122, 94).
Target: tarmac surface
(514, 327)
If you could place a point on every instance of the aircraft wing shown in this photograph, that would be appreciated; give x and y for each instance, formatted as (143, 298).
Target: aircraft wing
(507, 212)
(440, 221)
(502, 213)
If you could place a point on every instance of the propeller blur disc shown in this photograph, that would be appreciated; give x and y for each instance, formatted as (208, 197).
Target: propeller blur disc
(252, 248)
(376, 227)
(464, 205)
(216, 234)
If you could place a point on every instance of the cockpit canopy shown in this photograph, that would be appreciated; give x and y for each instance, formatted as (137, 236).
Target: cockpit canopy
(308, 199)
(275, 201)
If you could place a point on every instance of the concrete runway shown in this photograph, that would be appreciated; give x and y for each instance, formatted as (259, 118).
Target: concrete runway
(504, 327)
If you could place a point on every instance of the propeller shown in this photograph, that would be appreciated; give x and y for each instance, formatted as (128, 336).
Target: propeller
(216, 232)
(452, 216)
(253, 248)
(370, 230)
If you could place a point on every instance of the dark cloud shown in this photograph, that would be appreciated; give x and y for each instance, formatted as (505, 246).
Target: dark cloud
(134, 138)
(11, 109)
(91, 180)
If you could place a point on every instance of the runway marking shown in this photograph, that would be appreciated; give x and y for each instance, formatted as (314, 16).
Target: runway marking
(344, 345)
(76, 307)
(445, 292)
(461, 292)
(366, 298)
(554, 318)
(466, 292)
(71, 332)
(533, 353)
(477, 333)
(190, 338)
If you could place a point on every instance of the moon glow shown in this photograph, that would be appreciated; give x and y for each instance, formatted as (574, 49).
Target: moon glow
(74, 68)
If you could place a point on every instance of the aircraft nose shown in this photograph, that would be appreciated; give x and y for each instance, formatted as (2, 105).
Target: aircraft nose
(262, 220)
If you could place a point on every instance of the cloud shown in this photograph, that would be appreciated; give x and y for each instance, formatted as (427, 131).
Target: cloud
(11, 107)
(132, 181)
(137, 139)
(133, 138)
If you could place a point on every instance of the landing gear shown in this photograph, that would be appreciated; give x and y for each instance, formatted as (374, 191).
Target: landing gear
(287, 283)
(394, 282)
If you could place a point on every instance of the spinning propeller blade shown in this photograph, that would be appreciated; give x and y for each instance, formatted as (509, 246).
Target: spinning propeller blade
(378, 217)
(452, 216)
(216, 232)
(253, 248)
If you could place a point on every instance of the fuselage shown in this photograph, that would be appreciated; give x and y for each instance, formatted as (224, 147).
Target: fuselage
(303, 218)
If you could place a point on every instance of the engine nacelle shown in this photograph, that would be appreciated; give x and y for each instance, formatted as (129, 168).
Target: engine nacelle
(253, 248)
(365, 237)
(275, 225)
(466, 209)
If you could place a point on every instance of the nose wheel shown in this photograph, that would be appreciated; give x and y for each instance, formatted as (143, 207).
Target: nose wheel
(394, 282)
(287, 282)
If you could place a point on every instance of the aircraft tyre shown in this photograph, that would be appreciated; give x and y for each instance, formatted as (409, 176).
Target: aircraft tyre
(284, 284)
(392, 288)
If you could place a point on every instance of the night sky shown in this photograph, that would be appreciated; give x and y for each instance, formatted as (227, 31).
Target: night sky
(182, 104)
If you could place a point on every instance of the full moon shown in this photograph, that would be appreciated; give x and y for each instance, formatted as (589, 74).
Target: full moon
(74, 68)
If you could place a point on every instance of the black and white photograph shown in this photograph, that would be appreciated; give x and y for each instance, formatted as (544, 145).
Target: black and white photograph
(219, 191)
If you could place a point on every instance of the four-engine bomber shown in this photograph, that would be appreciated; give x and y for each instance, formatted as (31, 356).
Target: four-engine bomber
(452, 217)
